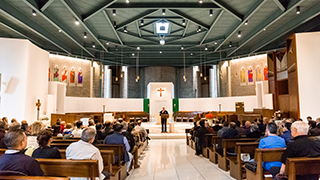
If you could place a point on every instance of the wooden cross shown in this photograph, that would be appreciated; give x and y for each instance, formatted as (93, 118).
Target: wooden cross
(160, 90)
(38, 104)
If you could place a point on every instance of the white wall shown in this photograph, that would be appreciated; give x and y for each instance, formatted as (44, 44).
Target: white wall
(76, 104)
(26, 67)
(227, 103)
(308, 67)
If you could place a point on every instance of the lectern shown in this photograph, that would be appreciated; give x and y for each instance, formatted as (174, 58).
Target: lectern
(164, 116)
(164, 121)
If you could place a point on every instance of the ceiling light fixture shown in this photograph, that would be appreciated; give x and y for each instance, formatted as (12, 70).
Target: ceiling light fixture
(142, 22)
(85, 35)
(138, 48)
(211, 12)
(162, 41)
(239, 34)
(107, 43)
(34, 13)
(60, 30)
(199, 29)
(264, 29)
(114, 24)
(298, 9)
(200, 1)
(125, 29)
(182, 47)
(183, 22)
(206, 48)
(127, 1)
(230, 44)
(246, 23)
(191, 54)
(77, 22)
(163, 12)
(215, 42)
(93, 45)
(184, 67)
(132, 54)
(114, 12)
(160, 52)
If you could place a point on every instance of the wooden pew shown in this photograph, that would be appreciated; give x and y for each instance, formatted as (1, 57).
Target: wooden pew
(228, 144)
(187, 131)
(264, 155)
(33, 178)
(60, 137)
(212, 150)
(67, 141)
(60, 145)
(236, 166)
(70, 168)
(302, 166)
(208, 144)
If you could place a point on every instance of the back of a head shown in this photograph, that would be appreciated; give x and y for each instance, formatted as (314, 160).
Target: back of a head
(88, 134)
(125, 125)
(107, 123)
(59, 120)
(302, 127)
(232, 125)
(238, 123)
(91, 122)
(139, 123)
(130, 128)
(14, 126)
(69, 126)
(14, 120)
(201, 123)
(254, 128)
(132, 124)
(117, 128)
(288, 125)
(2, 125)
(98, 126)
(272, 128)
(79, 124)
(43, 137)
(13, 139)
(313, 124)
(35, 128)
(247, 123)
(225, 124)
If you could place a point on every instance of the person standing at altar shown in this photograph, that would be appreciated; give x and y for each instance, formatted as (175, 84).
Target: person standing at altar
(163, 120)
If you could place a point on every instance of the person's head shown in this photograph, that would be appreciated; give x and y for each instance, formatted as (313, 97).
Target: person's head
(243, 122)
(201, 123)
(247, 124)
(69, 126)
(5, 119)
(254, 128)
(117, 127)
(265, 120)
(299, 128)
(91, 122)
(14, 120)
(309, 118)
(163, 108)
(312, 124)
(132, 124)
(99, 126)
(232, 125)
(59, 120)
(16, 140)
(107, 123)
(139, 123)
(79, 124)
(318, 120)
(206, 124)
(88, 135)
(14, 126)
(24, 122)
(216, 122)
(287, 126)
(2, 125)
(238, 123)
(225, 124)
(44, 138)
(63, 123)
(125, 125)
(35, 128)
(271, 129)
(130, 128)
(260, 121)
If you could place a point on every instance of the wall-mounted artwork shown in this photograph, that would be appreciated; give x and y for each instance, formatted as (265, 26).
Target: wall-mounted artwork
(250, 76)
(265, 72)
(64, 74)
(242, 76)
(49, 74)
(56, 73)
(80, 77)
(72, 77)
(258, 73)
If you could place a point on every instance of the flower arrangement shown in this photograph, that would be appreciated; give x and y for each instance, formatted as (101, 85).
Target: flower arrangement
(209, 116)
(44, 118)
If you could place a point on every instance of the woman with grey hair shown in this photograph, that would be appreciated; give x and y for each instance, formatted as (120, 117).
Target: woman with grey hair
(254, 132)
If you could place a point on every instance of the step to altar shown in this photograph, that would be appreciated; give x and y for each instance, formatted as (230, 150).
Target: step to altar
(176, 127)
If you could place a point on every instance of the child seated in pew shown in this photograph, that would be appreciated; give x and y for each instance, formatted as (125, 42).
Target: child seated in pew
(44, 150)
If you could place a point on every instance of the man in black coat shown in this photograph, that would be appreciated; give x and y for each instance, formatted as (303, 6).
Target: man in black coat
(200, 137)
(163, 120)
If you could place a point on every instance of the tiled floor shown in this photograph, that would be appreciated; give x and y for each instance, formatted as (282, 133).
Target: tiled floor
(174, 160)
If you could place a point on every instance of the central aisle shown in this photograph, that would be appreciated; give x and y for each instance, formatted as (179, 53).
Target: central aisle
(174, 160)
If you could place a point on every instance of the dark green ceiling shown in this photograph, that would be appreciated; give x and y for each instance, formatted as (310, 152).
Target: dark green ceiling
(270, 22)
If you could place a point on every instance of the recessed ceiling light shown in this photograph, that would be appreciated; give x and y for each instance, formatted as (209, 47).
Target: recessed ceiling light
(125, 29)
(77, 22)
(200, 1)
(199, 29)
(84, 35)
(264, 29)
(210, 12)
(182, 47)
(162, 41)
(34, 13)
(183, 22)
(206, 48)
(298, 9)
(239, 34)
(132, 54)
(93, 45)
(59, 30)
(246, 23)
(107, 43)
(191, 54)
(114, 24)
(215, 42)
(127, 1)
(138, 48)
(114, 12)
(230, 44)
(163, 12)
(142, 22)
(160, 52)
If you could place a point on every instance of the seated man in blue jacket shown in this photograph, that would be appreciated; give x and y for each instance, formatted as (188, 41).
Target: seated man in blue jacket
(272, 141)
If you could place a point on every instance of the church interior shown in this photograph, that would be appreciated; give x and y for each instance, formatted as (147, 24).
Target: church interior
(166, 67)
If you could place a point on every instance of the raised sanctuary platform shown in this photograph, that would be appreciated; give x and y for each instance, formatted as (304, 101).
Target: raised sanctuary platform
(177, 127)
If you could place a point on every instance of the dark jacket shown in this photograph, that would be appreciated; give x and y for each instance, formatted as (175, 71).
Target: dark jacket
(116, 138)
(230, 134)
(130, 138)
(47, 153)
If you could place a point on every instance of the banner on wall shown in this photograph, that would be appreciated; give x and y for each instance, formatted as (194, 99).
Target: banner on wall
(80, 78)
(242, 77)
(175, 104)
(72, 77)
(56, 73)
(64, 76)
(250, 76)
(146, 105)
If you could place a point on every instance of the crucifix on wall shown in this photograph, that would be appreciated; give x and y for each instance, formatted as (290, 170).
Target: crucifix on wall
(160, 90)
(38, 104)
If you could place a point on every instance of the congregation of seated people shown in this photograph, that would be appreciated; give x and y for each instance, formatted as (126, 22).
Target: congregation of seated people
(294, 135)
(25, 143)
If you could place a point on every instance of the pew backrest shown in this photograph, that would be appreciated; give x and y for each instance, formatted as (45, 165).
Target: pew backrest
(69, 168)
(118, 150)
(245, 147)
(302, 166)
(33, 178)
